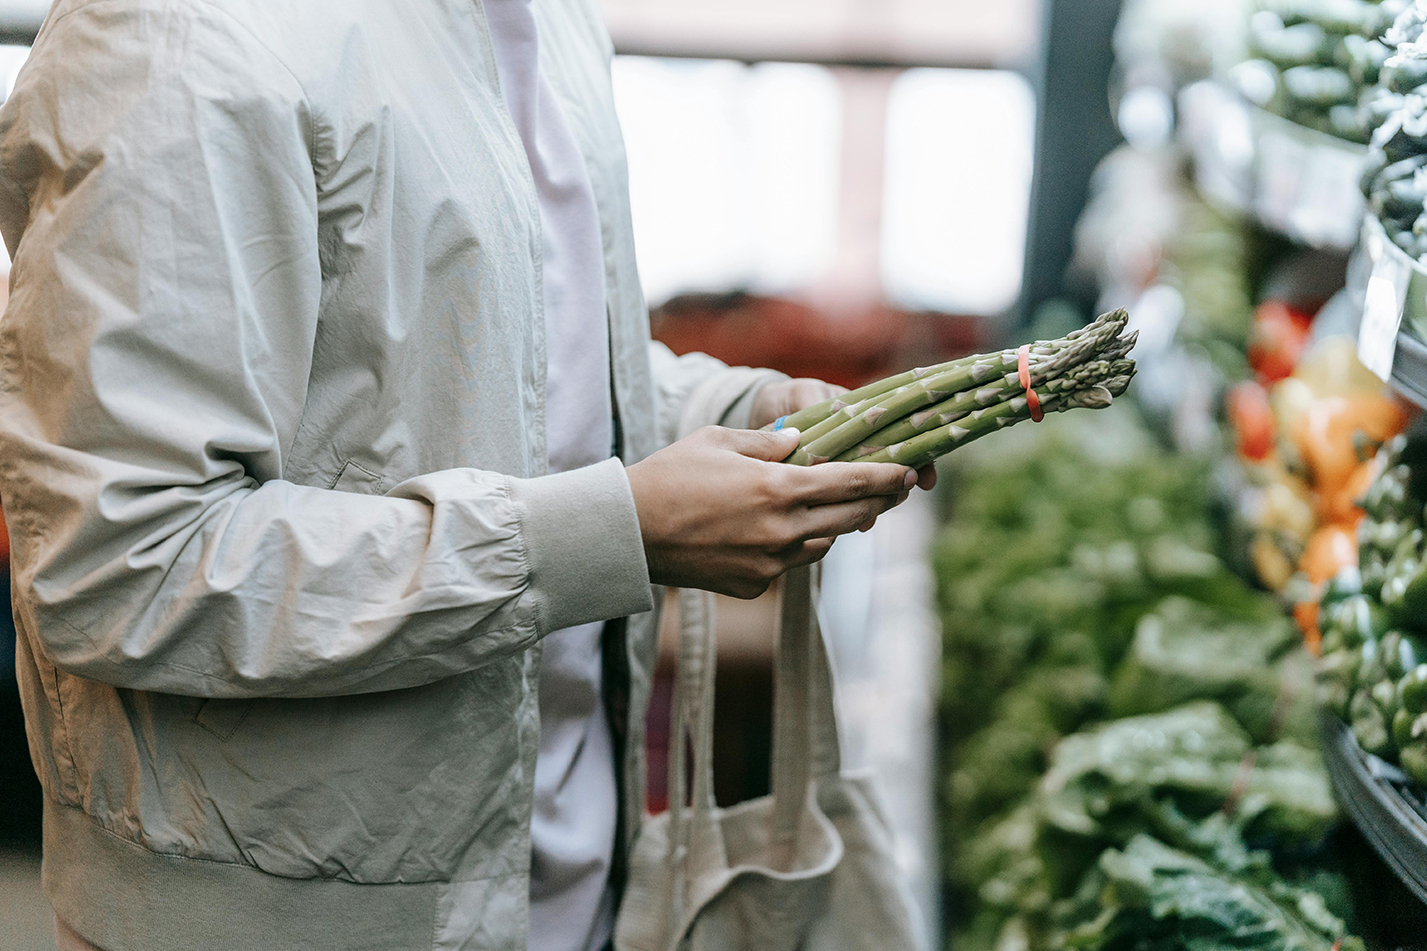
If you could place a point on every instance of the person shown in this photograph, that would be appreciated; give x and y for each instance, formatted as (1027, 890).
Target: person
(340, 468)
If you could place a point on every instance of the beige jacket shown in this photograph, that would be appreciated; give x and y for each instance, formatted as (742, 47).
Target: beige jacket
(272, 452)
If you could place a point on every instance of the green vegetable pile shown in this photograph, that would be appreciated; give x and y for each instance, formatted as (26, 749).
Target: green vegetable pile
(1395, 180)
(1373, 668)
(1316, 61)
(916, 417)
(1129, 748)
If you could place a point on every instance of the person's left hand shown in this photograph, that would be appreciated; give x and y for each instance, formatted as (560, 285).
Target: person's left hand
(789, 396)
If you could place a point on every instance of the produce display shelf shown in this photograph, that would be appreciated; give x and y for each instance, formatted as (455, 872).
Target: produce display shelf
(1386, 807)
(1409, 369)
(1293, 180)
(1391, 289)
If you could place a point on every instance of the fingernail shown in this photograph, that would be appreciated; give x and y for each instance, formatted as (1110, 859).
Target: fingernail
(791, 431)
(911, 478)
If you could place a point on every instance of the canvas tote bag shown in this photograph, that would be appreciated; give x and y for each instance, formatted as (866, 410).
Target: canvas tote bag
(808, 868)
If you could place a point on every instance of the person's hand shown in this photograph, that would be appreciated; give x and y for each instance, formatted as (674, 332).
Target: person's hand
(719, 511)
(786, 397)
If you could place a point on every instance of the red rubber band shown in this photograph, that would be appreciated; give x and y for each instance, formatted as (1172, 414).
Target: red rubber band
(1023, 367)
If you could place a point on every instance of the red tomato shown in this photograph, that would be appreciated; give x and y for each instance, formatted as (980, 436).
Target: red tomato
(4, 542)
(1252, 418)
(1278, 339)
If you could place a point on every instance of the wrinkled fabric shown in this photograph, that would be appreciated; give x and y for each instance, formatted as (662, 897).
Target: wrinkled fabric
(574, 817)
(273, 455)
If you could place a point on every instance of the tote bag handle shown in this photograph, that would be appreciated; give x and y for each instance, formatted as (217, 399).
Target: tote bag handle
(694, 835)
(805, 734)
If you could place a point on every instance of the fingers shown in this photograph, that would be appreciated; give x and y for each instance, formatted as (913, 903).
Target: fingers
(799, 394)
(759, 444)
(840, 518)
(834, 482)
(810, 551)
(788, 396)
(761, 570)
(806, 392)
(926, 478)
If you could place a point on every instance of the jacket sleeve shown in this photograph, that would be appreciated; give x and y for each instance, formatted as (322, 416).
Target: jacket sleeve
(697, 390)
(157, 185)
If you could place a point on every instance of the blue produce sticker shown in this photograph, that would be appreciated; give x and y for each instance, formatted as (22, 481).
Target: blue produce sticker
(778, 423)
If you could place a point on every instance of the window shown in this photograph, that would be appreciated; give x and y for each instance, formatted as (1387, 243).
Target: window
(736, 180)
(959, 159)
(733, 172)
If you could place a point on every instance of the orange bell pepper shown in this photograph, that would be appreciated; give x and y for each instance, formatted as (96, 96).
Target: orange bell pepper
(1324, 435)
(1330, 549)
(1340, 505)
(1306, 614)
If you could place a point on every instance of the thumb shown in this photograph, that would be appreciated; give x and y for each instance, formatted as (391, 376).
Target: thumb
(766, 445)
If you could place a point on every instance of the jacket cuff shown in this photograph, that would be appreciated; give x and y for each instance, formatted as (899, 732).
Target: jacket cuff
(585, 551)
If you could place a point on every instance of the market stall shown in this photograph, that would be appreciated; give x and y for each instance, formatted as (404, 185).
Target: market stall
(1182, 701)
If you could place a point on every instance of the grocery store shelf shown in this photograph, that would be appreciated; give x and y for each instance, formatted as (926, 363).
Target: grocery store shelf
(1409, 369)
(1296, 181)
(1408, 295)
(1387, 809)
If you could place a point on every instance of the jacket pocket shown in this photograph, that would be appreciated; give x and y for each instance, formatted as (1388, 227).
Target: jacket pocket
(222, 717)
(354, 478)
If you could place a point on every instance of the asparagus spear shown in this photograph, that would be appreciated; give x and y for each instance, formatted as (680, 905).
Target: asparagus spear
(963, 404)
(1055, 359)
(1088, 374)
(866, 417)
(927, 447)
(820, 413)
(958, 374)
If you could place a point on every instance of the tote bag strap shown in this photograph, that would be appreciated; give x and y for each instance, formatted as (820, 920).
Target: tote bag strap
(692, 715)
(805, 734)
(693, 830)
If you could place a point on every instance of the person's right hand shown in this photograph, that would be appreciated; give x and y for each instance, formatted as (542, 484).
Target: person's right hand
(719, 511)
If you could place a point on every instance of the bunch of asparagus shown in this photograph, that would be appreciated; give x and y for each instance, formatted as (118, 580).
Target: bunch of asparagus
(915, 417)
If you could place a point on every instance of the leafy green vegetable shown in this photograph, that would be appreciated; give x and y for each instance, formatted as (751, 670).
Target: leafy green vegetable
(1109, 783)
(1186, 650)
(1078, 580)
(1190, 782)
(1157, 897)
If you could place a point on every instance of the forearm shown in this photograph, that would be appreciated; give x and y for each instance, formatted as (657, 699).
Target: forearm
(287, 590)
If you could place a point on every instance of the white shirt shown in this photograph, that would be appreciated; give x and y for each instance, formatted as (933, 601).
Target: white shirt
(576, 802)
